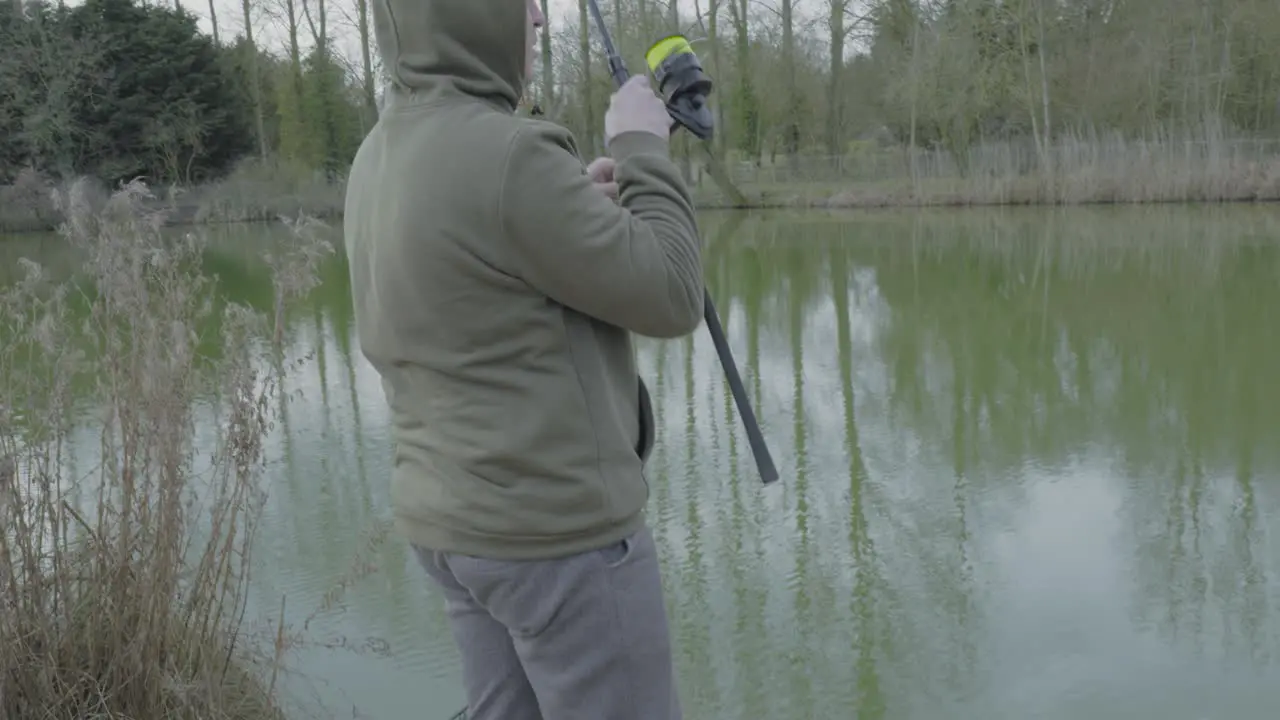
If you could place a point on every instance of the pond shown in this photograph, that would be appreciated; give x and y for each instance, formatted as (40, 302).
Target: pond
(1024, 457)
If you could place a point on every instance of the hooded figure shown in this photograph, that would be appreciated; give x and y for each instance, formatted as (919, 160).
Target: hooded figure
(496, 288)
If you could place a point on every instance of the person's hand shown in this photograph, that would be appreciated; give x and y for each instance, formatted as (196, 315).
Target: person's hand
(601, 173)
(635, 107)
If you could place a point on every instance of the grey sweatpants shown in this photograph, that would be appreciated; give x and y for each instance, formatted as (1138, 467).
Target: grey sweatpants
(577, 638)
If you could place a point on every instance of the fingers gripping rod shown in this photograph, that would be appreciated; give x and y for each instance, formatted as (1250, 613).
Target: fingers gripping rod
(760, 451)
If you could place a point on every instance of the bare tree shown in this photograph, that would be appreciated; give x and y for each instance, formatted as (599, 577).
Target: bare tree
(213, 20)
(841, 23)
(548, 77)
(49, 78)
(255, 79)
(588, 100)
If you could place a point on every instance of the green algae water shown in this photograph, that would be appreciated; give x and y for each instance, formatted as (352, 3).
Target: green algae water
(1030, 469)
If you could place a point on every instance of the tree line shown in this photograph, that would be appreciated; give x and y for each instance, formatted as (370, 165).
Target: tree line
(814, 76)
(122, 88)
(119, 89)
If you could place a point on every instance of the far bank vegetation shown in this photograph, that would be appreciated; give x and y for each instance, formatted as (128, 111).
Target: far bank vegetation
(823, 102)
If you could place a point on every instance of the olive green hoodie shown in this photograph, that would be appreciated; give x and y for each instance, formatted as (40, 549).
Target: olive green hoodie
(495, 291)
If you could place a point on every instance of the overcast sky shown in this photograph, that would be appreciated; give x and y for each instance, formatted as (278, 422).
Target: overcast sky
(230, 25)
(342, 18)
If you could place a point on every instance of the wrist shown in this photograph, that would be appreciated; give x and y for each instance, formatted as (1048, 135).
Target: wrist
(638, 142)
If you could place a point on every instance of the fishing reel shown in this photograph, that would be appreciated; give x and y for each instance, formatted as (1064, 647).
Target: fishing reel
(682, 84)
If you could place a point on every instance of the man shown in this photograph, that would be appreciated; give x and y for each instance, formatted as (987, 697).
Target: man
(496, 287)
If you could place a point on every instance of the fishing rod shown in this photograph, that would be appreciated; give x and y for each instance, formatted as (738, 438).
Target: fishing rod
(685, 88)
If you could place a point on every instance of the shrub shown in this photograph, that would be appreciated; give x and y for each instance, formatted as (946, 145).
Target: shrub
(122, 592)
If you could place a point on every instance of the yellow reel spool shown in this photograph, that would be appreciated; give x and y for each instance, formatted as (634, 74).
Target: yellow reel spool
(682, 84)
(666, 48)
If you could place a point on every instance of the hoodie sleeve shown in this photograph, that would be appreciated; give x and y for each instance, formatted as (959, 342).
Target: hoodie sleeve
(636, 263)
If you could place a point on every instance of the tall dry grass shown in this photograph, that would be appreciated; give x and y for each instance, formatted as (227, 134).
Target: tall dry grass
(1078, 168)
(123, 589)
(26, 205)
(1204, 165)
(256, 191)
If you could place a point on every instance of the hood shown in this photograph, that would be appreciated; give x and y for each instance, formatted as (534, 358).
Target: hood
(475, 47)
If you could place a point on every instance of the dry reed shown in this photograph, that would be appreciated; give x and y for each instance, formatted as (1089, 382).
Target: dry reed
(123, 589)
(1086, 167)
(1079, 169)
(258, 191)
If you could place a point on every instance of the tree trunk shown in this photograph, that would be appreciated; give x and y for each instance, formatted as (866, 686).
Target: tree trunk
(747, 111)
(548, 80)
(791, 133)
(255, 86)
(835, 145)
(584, 54)
(366, 60)
(717, 64)
(213, 20)
(1047, 129)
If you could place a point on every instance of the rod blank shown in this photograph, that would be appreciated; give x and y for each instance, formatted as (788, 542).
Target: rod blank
(759, 449)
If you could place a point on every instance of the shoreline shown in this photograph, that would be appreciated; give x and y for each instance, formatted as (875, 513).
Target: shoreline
(1198, 167)
(187, 218)
(837, 203)
(267, 192)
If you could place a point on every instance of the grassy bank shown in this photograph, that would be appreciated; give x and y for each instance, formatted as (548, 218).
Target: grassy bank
(254, 191)
(1204, 167)
(123, 585)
